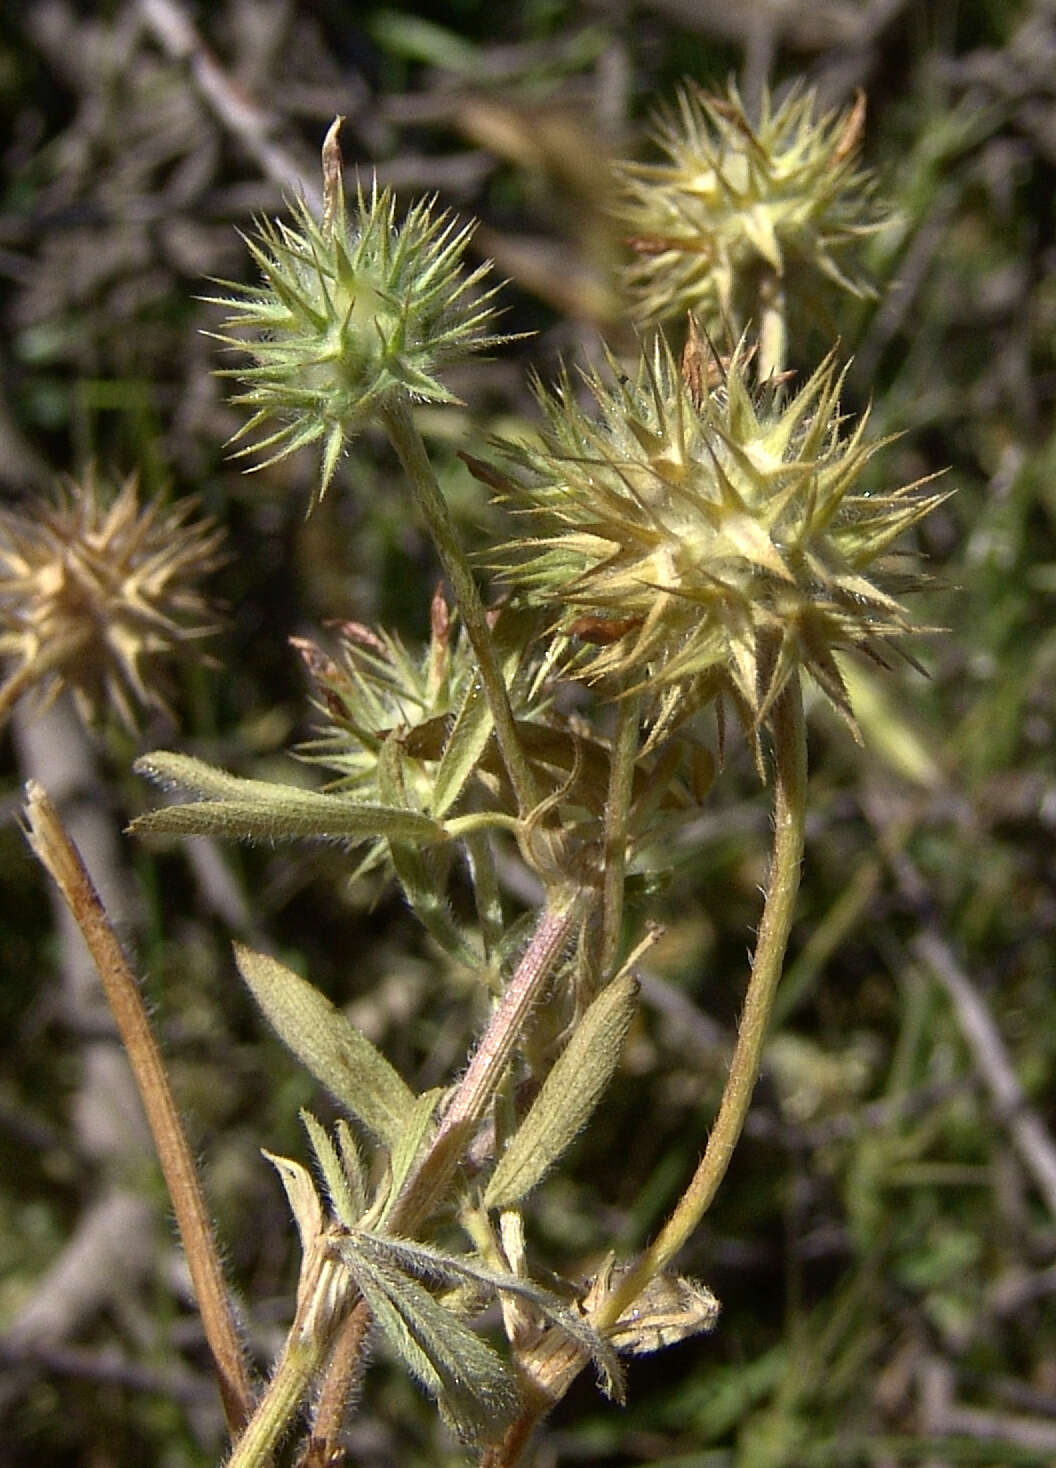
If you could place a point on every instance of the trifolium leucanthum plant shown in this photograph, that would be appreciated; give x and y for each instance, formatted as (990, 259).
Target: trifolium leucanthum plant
(743, 220)
(698, 530)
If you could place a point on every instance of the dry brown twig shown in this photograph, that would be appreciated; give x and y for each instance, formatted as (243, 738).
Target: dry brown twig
(62, 861)
(1012, 1109)
(252, 124)
(1030, 1138)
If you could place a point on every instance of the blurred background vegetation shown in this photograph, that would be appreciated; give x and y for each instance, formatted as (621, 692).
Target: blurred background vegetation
(884, 1244)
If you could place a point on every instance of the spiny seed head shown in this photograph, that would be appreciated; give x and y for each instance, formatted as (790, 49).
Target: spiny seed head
(96, 590)
(377, 688)
(387, 712)
(731, 200)
(705, 537)
(355, 309)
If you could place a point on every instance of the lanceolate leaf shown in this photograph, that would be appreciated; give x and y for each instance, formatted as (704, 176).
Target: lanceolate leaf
(354, 1167)
(422, 885)
(568, 1095)
(473, 1385)
(342, 1202)
(331, 1047)
(227, 805)
(428, 1263)
(464, 747)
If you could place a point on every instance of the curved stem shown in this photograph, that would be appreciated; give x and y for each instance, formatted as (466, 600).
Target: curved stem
(407, 442)
(790, 786)
(62, 861)
(617, 811)
(474, 1093)
(477, 823)
(565, 1360)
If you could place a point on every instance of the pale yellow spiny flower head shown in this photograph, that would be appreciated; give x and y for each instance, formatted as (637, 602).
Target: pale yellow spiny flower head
(97, 590)
(733, 199)
(709, 536)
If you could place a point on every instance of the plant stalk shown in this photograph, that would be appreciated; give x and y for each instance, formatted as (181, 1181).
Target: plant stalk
(790, 787)
(617, 812)
(62, 861)
(479, 1084)
(284, 1396)
(486, 893)
(337, 1387)
(407, 442)
(773, 327)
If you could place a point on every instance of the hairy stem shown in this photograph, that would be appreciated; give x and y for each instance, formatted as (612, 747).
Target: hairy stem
(486, 893)
(283, 1398)
(478, 1086)
(790, 786)
(62, 861)
(617, 810)
(407, 442)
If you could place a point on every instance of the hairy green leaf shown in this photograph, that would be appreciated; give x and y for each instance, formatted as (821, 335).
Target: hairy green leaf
(331, 1047)
(426, 1262)
(201, 781)
(228, 805)
(354, 1167)
(465, 745)
(342, 1202)
(568, 1096)
(474, 1387)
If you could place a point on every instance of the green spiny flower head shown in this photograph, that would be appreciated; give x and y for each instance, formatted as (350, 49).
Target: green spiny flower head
(354, 310)
(376, 688)
(708, 537)
(732, 201)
